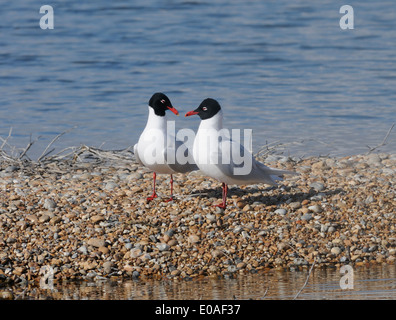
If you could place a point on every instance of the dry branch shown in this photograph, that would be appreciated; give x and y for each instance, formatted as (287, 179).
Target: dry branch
(306, 281)
(383, 141)
(45, 153)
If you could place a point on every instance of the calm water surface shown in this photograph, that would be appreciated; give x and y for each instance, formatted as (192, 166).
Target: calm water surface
(282, 68)
(374, 282)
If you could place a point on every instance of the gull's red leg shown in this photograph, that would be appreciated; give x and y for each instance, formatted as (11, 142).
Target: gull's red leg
(171, 183)
(224, 194)
(154, 195)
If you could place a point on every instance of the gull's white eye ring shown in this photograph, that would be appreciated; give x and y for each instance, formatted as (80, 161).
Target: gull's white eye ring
(162, 101)
(204, 108)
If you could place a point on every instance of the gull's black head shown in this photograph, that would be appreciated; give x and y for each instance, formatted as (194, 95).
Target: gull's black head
(206, 110)
(160, 103)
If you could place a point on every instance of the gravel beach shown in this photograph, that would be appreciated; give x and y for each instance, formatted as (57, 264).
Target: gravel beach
(90, 220)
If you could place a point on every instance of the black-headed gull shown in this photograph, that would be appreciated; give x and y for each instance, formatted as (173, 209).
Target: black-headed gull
(157, 146)
(223, 158)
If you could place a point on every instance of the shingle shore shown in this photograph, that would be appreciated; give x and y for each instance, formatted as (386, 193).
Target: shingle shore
(91, 221)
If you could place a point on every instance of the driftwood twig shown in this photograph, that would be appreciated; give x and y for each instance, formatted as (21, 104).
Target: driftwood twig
(383, 141)
(306, 281)
(45, 153)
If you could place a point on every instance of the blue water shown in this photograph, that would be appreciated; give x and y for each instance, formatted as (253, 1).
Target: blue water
(282, 68)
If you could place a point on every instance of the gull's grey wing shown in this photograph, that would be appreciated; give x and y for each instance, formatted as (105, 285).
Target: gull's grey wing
(182, 161)
(240, 165)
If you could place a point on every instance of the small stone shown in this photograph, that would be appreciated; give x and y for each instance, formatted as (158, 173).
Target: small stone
(107, 265)
(237, 229)
(44, 218)
(219, 210)
(11, 168)
(86, 265)
(337, 241)
(55, 220)
(374, 160)
(246, 208)
(134, 176)
(49, 204)
(372, 248)
(282, 246)
(83, 249)
(193, 238)
(331, 229)
(343, 259)
(281, 211)
(162, 247)
(300, 261)
(32, 218)
(6, 295)
(175, 273)
(304, 210)
(295, 205)
(232, 268)
(104, 250)
(97, 218)
(217, 253)
(135, 252)
(315, 208)
(96, 242)
(241, 265)
(335, 250)
(318, 186)
(166, 238)
(369, 199)
(128, 268)
(240, 203)
(111, 185)
(307, 217)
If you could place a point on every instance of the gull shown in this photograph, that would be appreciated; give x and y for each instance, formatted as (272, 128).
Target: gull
(221, 158)
(156, 147)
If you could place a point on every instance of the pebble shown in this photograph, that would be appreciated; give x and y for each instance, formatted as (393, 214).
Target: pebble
(307, 217)
(335, 250)
(193, 238)
(318, 186)
(295, 205)
(281, 211)
(111, 186)
(6, 295)
(96, 242)
(315, 208)
(175, 273)
(92, 221)
(49, 204)
(162, 246)
(44, 218)
(107, 265)
(134, 253)
(97, 218)
(300, 261)
(83, 250)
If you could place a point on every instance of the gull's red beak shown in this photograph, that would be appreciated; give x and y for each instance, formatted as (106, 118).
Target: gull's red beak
(173, 110)
(191, 113)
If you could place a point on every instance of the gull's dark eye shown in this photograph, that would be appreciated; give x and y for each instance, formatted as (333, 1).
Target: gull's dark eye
(204, 108)
(162, 101)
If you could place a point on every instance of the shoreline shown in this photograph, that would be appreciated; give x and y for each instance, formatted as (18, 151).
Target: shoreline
(87, 218)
